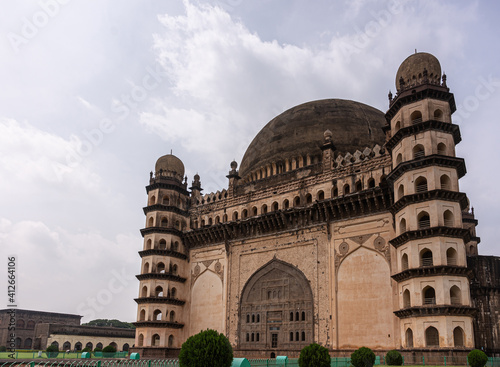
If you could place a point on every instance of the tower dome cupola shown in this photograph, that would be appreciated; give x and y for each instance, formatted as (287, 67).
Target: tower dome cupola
(419, 68)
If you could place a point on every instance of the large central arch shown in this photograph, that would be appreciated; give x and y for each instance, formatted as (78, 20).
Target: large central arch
(276, 309)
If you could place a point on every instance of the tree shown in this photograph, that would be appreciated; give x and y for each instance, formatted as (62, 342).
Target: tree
(52, 351)
(363, 357)
(205, 346)
(314, 355)
(477, 358)
(393, 358)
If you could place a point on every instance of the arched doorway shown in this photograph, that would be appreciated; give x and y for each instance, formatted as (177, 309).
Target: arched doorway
(270, 295)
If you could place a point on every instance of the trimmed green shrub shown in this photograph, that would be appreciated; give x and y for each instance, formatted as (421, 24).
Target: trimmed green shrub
(3, 348)
(393, 358)
(363, 357)
(314, 355)
(52, 351)
(97, 350)
(206, 346)
(477, 358)
(109, 351)
(86, 349)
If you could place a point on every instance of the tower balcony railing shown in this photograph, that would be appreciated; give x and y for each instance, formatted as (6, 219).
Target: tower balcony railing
(416, 121)
(441, 152)
(426, 262)
(418, 154)
(424, 224)
(430, 301)
(446, 187)
(455, 300)
(421, 188)
(449, 223)
(451, 261)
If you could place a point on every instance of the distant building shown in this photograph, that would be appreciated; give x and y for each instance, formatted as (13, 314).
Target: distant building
(38, 329)
(343, 226)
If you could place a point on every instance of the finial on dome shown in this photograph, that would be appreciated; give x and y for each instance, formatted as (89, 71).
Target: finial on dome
(328, 135)
(234, 165)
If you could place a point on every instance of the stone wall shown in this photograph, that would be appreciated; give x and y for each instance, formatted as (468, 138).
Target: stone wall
(485, 293)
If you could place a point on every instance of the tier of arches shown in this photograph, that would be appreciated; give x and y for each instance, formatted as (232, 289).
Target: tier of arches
(159, 291)
(168, 200)
(162, 244)
(338, 189)
(428, 297)
(21, 324)
(419, 151)
(79, 346)
(164, 222)
(425, 220)
(417, 117)
(155, 341)
(426, 259)
(420, 185)
(160, 268)
(158, 314)
(431, 336)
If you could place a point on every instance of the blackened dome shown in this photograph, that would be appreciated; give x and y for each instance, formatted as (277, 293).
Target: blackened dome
(300, 130)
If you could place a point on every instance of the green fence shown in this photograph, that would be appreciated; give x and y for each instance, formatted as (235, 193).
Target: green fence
(35, 355)
(292, 362)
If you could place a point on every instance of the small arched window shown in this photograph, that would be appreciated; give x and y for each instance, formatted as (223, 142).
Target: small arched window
(441, 149)
(235, 215)
(438, 115)
(420, 184)
(321, 195)
(359, 185)
(166, 200)
(371, 183)
(144, 292)
(455, 295)
(164, 222)
(431, 337)
(397, 126)
(404, 262)
(172, 316)
(170, 341)
(263, 209)
(173, 292)
(449, 219)
(155, 340)
(162, 244)
(291, 316)
(303, 316)
(157, 315)
(303, 336)
(347, 189)
(151, 222)
(451, 257)
(244, 214)
(335, 192)
(248, 318)
(258, 318)
(174, 269)
(217, 219)
(148, 244)
(424, 221)
(429, 296)
(291, 336)
(296, 201)
(426, 258)
(402, 226)
(399, 159)
(274, 206)
(445, 182)
(160, 268)
(309, 199)
(140, 340)
(253, 318)
(418, 151)
(401, 191)
(406, 299)
(152, 200)
(409, 338)
(146, 268)
(286, 204)
(159, 291)
(416, 117)
(254, 211)
(458, 337)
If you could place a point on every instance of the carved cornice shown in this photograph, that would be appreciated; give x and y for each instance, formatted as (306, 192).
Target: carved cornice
(335, 209)
(429, 271)
(419, 93)
(454, 196)
(452, 232)
(167, 300)
(165, 208)
(168, 184)
(169, 230)
(158, 323)
(162, 253)
(429, 160)
(436, 310)
(165, 276)
(412, 130)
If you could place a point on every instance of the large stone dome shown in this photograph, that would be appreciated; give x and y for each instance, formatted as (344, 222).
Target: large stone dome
(299, 131)
(170, 163)
(412, 69)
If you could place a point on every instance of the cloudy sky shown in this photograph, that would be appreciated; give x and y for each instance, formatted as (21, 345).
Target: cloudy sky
(93, 92)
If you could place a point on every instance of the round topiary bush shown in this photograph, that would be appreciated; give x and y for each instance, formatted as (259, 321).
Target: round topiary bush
(108, 351)
(97, 350)
(393, 358)
(363, 357)
(477, 358)
(3, 348)
(52, 351)
(314, 355)
(86, 349)
(206, 346)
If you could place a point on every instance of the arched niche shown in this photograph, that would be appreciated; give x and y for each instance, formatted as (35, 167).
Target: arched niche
(364, 295)
(272, 292)
(206, 303)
